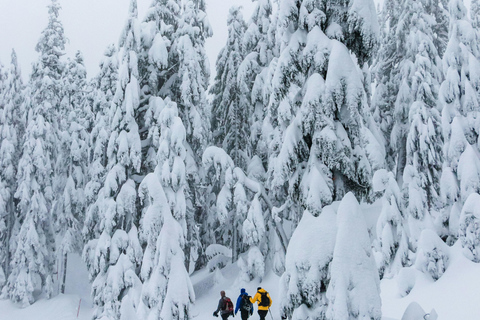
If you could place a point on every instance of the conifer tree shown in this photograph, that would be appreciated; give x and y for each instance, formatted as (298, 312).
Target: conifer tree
(321, 134)
(438, 9)
(460, 100)
(238, 222)
(354, 288)
(34, 256)
(392, 232)
(475, 14)
(115, 256)
(71, 164)
(230, 115)
(259, 51)
(189, 92)
(313, 81)
(385, 71)
(12, 128)
(158, 53)
(104, 86)
(167, 292)
(158, 67)
(416, 133)
(304, 284)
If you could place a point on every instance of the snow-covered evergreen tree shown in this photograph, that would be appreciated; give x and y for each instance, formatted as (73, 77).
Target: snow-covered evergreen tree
(231, 205)
(432, 255)
(104, 86)
(189, 93)
(193, 75)
(230, 115)
(459, 96)
(158, 67)
(475, 14)
(438, 9)
(34, 256)
(113, 259)
(71, 163)
(354, 288)
(392, 234)
(385, 71)
(416, 133)
(318, 121)
(238, 211)
(259, 51)
(469, 228)
(304, 284)
(167, 291)
(12, 128)
(158, 54)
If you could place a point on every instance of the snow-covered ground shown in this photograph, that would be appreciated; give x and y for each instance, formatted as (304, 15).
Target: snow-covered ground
(456, 295)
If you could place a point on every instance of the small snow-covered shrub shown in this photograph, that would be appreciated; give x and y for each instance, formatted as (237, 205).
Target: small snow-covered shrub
(218, 256)
(354, 288)
(253, 265)
(432, 254)
(310, 251)
(469, 232)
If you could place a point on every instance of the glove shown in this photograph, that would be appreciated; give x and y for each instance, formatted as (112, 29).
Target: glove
(215, 314)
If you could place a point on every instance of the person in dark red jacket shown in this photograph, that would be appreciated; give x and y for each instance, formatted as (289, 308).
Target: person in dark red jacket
(223, 308)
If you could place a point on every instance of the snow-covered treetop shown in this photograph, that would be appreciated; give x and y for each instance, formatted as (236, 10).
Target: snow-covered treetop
(51, 44)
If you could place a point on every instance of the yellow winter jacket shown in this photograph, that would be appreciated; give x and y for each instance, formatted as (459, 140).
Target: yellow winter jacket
(258, 297)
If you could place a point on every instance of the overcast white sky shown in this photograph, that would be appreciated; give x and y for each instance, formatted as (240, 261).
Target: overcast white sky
(90, 25)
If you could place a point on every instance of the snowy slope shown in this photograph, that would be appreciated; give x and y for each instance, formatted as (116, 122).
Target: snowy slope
(455, 295)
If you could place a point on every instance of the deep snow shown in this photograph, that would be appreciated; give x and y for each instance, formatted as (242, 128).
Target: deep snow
(456, 295)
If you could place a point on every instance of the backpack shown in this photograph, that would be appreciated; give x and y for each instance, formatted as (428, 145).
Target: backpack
(228, 305)
(265, 300)
(246, 305)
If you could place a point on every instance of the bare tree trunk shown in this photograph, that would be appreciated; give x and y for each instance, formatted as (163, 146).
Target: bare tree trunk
(64, 277)
(10, 223)
(402, 160)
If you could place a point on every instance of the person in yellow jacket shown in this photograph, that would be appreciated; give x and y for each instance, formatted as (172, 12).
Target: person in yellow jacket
(264, 302)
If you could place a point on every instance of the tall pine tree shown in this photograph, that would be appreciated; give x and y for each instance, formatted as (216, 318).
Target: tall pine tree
(230, 115)
(115, 256)
(34, 257)
(12, 129)
(459, 96)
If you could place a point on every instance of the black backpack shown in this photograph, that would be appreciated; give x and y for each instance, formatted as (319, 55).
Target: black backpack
(246, 305)
(265, 300)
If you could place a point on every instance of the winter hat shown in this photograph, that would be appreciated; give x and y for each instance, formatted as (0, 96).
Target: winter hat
(259, 288)
(242, 290)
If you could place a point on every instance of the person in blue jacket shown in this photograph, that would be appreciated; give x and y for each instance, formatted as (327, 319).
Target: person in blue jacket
(244, 305)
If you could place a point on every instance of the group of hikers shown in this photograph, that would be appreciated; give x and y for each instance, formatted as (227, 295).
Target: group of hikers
(244, 304)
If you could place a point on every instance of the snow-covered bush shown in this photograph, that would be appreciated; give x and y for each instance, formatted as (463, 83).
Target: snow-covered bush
(392, 236)
(304, 284)
(354, 288)
(469, 232)
(432, 254)
(218, 256)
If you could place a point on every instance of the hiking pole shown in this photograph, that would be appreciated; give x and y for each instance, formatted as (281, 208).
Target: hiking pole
(270, 313)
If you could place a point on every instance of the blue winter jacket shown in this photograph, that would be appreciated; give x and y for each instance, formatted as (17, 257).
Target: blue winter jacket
(239, 301)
